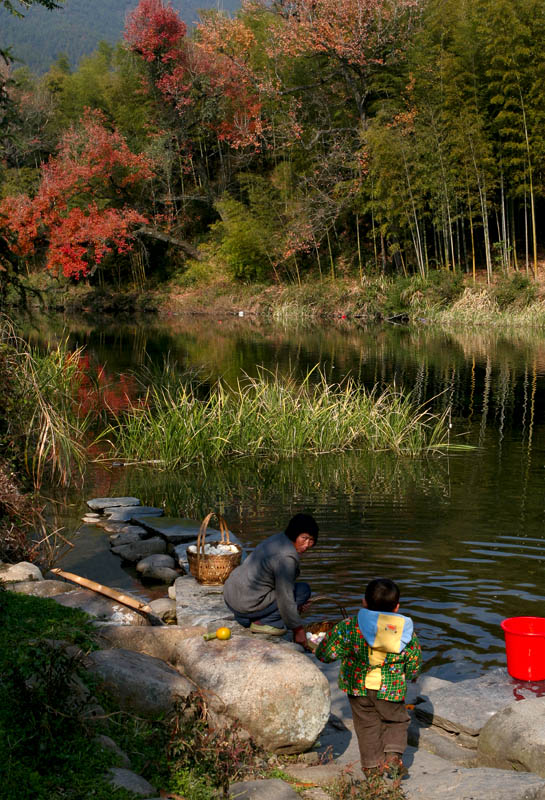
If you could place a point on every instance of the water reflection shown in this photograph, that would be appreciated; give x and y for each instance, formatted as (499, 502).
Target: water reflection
(463, 534)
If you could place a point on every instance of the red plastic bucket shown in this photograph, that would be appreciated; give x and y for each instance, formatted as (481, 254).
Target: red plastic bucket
(525, 647)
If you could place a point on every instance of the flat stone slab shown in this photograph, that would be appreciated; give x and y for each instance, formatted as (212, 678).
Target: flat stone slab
(466, 706)
(271, 789)
(140, 683)
(100, 503)
(172, 529)
(160, 642)
(200, 605)
(127, 514)
(442, 744)
(431, 777)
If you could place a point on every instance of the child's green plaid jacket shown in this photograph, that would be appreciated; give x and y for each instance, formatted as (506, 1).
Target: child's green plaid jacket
(346, 642)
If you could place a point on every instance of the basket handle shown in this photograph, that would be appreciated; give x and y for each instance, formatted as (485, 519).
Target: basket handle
(224, 530)
(340, 606)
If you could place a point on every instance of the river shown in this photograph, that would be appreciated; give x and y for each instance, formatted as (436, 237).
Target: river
(462, 534)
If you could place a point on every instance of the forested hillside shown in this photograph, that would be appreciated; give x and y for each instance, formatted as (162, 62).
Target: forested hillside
(291, 142)
(76, 28)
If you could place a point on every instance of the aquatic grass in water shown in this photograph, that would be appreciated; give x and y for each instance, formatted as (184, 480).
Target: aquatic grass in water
(271, 416)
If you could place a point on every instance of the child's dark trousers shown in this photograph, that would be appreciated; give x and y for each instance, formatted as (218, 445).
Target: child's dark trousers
(380, 725)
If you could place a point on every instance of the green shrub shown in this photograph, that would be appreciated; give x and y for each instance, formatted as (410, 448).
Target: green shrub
(517, 291)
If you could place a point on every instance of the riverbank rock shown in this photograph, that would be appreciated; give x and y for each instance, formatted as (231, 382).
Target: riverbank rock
(100, 607)
(466, 706)
(515, 737)
(125, 779)
(140, 683)
(101, 503)
(136, 551)
(17, 573)
(277, 694)
(45, 588)
(157, 642)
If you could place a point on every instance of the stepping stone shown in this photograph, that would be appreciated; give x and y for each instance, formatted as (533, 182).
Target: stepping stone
(100, 503)
(101, 607)
(136, 551)
(128, 514)
(200, 605)
(173, 530)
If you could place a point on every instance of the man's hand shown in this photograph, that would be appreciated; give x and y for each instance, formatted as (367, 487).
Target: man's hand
(300, 637)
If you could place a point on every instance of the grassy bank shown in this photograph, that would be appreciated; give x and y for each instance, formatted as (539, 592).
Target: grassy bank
(50, 724)
(444, 297)
(180, 424)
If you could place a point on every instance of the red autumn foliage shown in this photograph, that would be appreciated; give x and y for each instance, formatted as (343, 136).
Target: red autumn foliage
(98, 391)
(203, 82)
(78, 211)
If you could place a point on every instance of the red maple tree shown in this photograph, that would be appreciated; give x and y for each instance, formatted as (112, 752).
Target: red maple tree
(80, 212)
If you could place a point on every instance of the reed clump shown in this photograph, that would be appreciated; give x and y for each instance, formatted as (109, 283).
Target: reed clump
(41, 429)
(271, 416)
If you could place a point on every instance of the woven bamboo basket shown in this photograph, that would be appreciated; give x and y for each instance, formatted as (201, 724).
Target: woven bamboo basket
(327, 624)
(210, 569)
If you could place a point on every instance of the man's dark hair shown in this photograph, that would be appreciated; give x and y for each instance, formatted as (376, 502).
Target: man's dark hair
(382, 594)
(302, 523)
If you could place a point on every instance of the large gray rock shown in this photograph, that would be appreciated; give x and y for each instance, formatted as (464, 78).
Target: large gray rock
(200, 605)
(271, 789)
(160, 642)
(101, 607)
(440, 743)
(17, 573)
(126, 514)
(108, 744)
(100, 503)
(125, 779)
(136, 551)
(140, 683)
(277, 694)
(515, 737)
(40, 588)
(466, 706)
(433, 778)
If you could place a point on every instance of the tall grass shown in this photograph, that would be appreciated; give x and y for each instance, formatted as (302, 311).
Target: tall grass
(39, 412)
(271, 416)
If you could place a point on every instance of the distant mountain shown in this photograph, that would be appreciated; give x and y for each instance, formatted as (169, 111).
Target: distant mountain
(76, 28)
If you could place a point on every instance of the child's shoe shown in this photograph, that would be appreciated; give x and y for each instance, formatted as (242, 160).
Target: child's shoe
(394, 766)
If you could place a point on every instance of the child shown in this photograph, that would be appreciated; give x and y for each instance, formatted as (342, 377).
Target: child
(379, 652)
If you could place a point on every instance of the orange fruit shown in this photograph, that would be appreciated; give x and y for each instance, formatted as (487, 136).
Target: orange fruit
(223, 633)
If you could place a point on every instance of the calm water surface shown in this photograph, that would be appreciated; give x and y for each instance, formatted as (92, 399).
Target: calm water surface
(463, 534)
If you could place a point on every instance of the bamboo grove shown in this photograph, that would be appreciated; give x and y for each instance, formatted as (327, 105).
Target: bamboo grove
(315, 137)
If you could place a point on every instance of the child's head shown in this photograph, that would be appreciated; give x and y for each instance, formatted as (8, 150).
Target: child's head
(382, 594)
